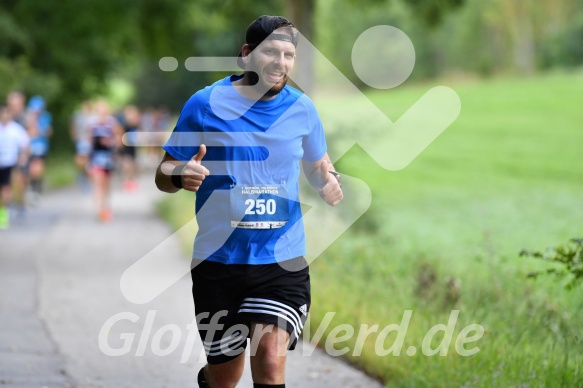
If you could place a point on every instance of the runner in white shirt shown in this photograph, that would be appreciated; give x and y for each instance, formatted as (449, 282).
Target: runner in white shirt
(14, 143)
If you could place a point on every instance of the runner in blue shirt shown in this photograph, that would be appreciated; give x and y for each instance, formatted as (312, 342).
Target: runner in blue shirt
(39, 126)
(238, 144)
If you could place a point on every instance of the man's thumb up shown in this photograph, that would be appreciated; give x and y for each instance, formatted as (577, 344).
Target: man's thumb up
(194, 172)
(331, 191)
(200, 154)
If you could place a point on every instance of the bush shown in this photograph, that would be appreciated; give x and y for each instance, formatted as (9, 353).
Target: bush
(568, 256)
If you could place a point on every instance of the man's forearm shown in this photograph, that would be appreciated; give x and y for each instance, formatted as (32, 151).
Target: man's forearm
(315, 178)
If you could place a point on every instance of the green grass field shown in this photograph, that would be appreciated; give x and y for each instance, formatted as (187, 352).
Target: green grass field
(444, 234)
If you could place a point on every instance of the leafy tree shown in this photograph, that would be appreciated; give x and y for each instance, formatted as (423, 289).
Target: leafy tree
(433, 11)
(66, 50)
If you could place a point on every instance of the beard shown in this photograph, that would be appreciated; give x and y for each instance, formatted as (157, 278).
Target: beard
(253, 78)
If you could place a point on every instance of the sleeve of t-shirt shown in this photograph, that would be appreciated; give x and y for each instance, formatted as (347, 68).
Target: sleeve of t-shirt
(314, 143)
(187, 135)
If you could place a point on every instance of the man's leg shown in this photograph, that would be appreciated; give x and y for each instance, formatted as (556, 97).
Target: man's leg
(269, 345)
(225, 375)
(216, 288)
(4, 203)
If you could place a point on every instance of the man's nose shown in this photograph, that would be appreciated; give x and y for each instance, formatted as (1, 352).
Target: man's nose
(280, 58)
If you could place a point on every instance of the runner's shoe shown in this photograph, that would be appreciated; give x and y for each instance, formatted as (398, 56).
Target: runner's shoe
(105, 215)
(4, 218)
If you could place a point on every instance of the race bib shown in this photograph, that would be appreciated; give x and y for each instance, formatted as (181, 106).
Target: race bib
(259, 206)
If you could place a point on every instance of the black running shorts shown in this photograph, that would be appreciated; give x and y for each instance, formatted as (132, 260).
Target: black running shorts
(229, 297)
(5, 173)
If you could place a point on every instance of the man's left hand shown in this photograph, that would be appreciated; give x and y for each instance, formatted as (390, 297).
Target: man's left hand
(331, 191)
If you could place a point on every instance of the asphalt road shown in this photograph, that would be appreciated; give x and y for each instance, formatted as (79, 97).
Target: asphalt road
(65, 322)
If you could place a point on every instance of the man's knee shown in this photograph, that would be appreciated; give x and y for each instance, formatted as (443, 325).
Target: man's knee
(270, 353)
(269, 347)
(271, 363)
(269, 341)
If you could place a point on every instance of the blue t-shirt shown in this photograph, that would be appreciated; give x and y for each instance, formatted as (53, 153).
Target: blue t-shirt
(39, 145)
(248, 209)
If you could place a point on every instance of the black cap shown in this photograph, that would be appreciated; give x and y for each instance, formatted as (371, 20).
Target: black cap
(262, 27)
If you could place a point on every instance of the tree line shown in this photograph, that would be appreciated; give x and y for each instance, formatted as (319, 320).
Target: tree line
(68, 50)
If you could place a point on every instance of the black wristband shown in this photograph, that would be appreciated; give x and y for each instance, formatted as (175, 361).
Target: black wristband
(177, 176)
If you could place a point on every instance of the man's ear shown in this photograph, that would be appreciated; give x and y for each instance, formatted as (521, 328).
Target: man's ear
(245, 51)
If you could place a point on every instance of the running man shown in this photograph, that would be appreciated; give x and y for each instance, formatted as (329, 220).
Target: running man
(238, 144)
(81, 123)
(131, 126)
(16, 102)
(39, 126)
(14, 143)
(105, 139)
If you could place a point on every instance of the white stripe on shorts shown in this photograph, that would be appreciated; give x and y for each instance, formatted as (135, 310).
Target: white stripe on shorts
(277, 306)
(226, 347)
(271, 307)
(210, 344)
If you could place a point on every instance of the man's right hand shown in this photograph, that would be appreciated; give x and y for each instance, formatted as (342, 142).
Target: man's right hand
(194, 172)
